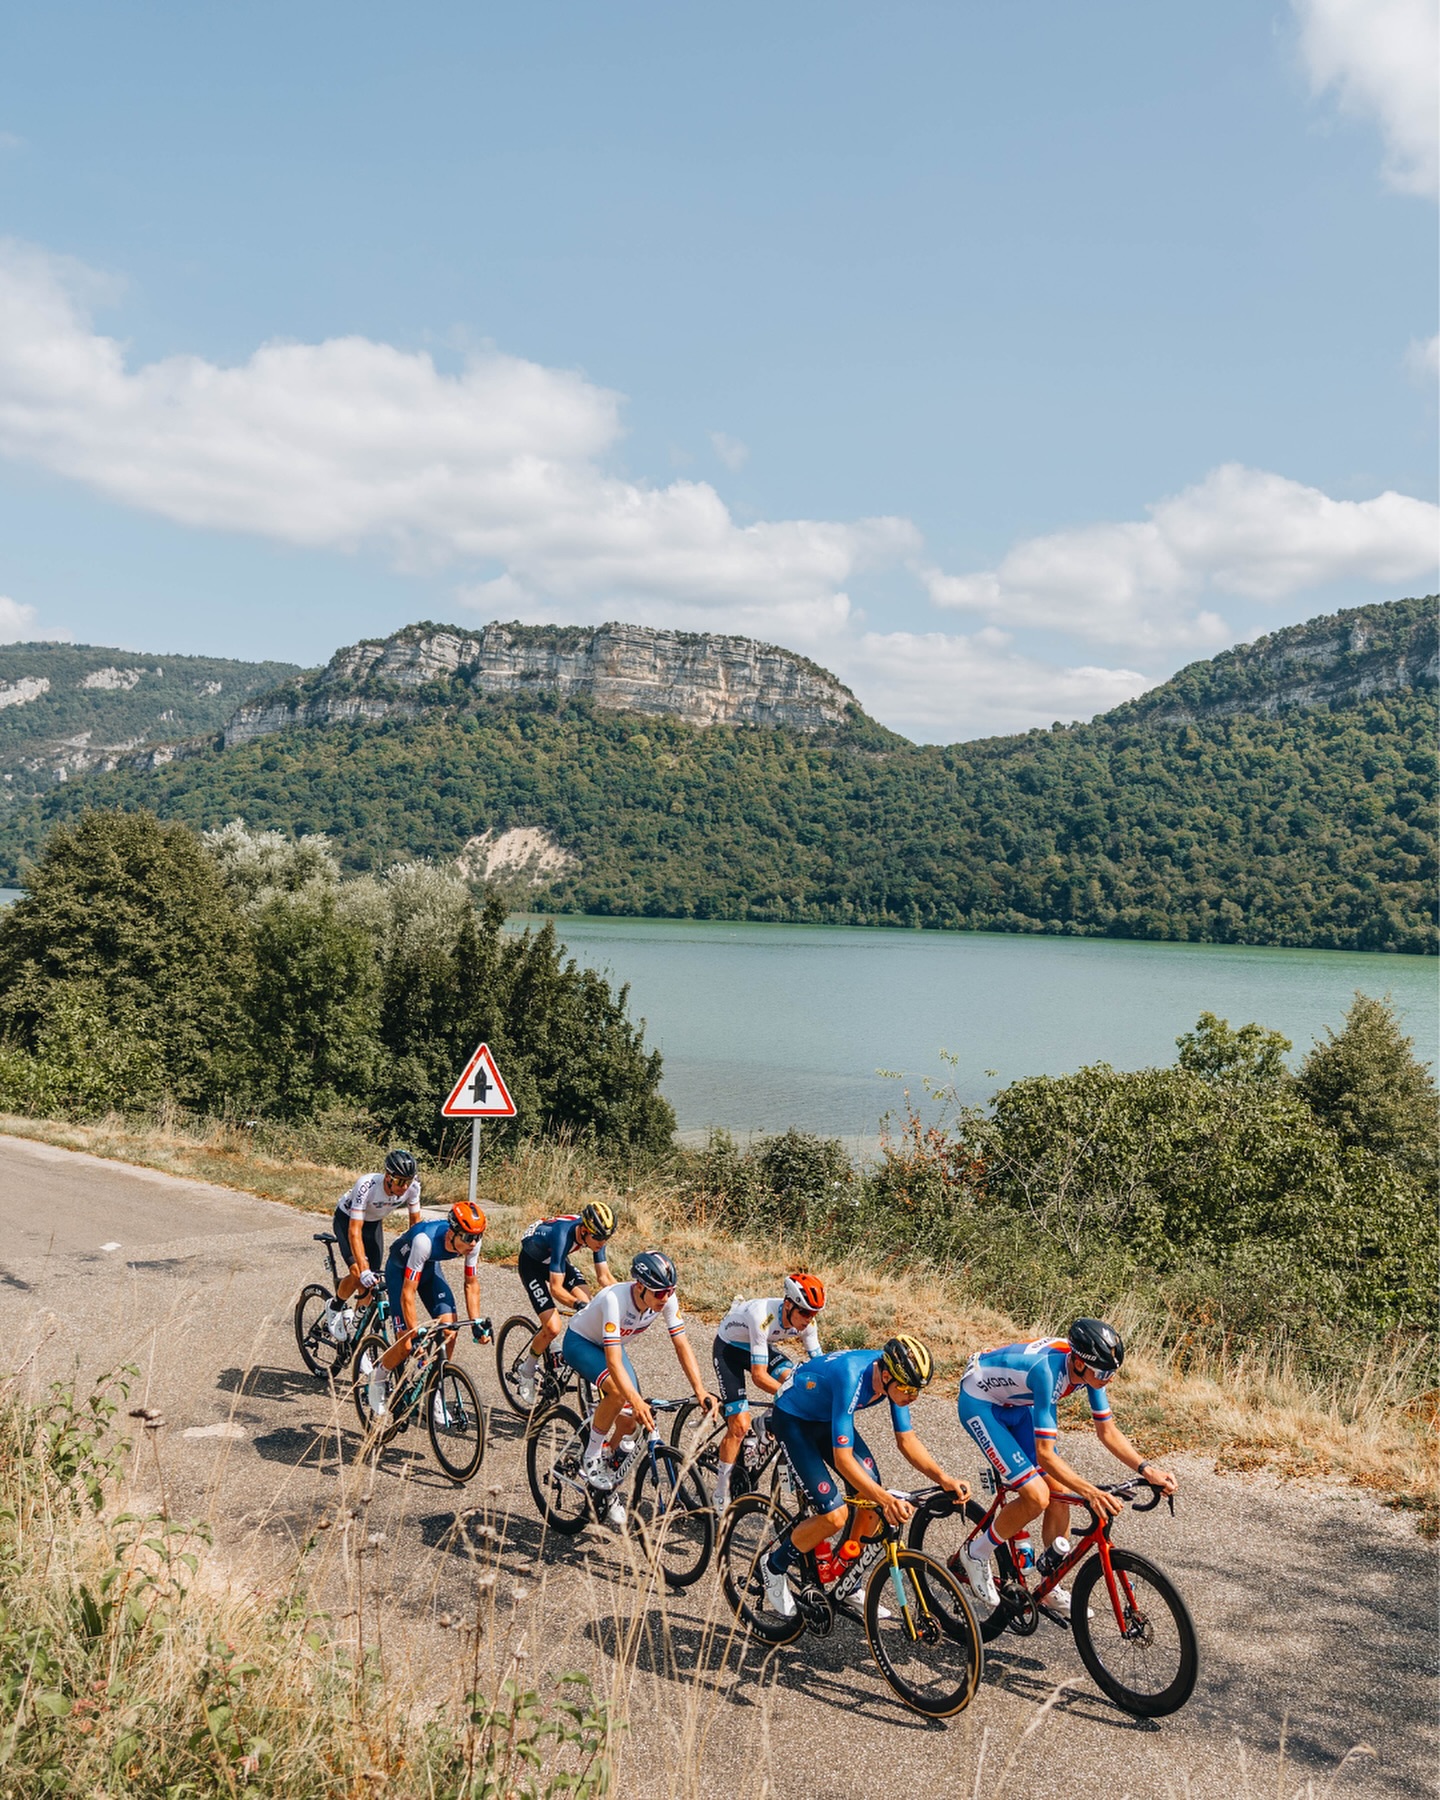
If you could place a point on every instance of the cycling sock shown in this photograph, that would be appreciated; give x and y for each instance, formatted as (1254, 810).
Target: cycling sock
(722, 1483)
(782, 1556)
(991, 1539)
(529, 1366)
(596, 1445)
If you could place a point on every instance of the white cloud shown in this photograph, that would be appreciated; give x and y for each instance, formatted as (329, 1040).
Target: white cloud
(349, 443)
(730, 450)
(942, 687)
(1423, 359)
(1240, 531)
(1382, 59)
(17, 621)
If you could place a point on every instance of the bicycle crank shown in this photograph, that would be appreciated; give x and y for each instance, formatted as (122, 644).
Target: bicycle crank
(816, 1609)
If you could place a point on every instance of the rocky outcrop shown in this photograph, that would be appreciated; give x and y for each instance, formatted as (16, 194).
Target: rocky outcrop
(700, 678)
(1335, 661)
(21, 693)
(524, 857)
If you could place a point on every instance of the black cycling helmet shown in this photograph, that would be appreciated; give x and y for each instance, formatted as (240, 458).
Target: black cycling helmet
(598, 1220)
(906, 1360)
(401, 1165)
(653, 1269)
(1098, 1345)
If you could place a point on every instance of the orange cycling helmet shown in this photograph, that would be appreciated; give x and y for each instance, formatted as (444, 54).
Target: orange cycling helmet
(467, 1218)
(806, 1290)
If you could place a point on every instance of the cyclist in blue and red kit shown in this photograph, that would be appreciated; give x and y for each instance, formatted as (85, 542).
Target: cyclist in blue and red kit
(814, 1419)
(1008, 1403)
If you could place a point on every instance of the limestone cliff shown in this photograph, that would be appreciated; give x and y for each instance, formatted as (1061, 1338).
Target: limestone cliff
(700, 678)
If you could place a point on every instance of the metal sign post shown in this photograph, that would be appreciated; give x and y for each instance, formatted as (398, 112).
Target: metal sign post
(480, 1093)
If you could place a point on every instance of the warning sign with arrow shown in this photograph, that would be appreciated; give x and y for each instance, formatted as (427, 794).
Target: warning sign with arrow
(480, 1093)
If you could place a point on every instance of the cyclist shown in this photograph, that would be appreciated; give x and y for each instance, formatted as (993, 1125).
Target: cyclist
(412, 1269)
(594, 1345)
(551, 1280)
(359, 1225)
(1008, 1401)
(814, 1419)
(745, 1345)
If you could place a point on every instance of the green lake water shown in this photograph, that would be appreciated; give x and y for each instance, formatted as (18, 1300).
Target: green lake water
(765, 1026)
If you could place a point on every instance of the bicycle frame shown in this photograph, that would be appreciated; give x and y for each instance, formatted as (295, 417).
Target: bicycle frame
(1096, 1537)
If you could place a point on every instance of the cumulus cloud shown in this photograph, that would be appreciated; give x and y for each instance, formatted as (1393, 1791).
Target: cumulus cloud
(940, 687)
(730, 450)
(1240, 531)
(349, 443)
(1381, 58)
(17, 621)
(1423, 359)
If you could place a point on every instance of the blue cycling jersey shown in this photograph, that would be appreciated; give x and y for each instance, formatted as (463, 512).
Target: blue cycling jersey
(836, 1387)
(1036, 1375)
(551, 1241)
(424, 1244)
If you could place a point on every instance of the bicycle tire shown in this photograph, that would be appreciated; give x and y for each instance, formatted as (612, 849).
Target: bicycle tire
(509, 1353)
(319, 1352)
(367, 1353)
(673, 1516)
(1095, 1643)
(547, 1442)
(751, 1524)
(452, 1393)
(953, 1655)
(939, 1524)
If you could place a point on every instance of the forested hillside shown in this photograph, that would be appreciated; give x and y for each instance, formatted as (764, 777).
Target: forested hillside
(1311, 826)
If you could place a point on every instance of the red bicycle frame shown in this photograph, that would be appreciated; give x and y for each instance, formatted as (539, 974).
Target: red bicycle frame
(1096, 1537)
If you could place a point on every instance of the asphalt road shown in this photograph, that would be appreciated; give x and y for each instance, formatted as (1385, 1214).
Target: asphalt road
(1316, 1609)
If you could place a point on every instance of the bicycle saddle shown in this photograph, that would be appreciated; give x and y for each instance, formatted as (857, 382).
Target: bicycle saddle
(325, 1237)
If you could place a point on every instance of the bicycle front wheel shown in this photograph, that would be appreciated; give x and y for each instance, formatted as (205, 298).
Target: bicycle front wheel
(456, 1422)
(553, 1449)
(367, 1354)
(673, 1516)
(939, 1530)
(923, 1634)
(319, 1352)
(747, 1535)
(1145, 1657)
(512, 1346)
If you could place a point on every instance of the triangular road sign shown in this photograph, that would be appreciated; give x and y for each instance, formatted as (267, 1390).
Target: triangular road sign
(480, 1093)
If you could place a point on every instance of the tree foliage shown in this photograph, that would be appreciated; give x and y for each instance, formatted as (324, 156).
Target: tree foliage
(1369, 1087)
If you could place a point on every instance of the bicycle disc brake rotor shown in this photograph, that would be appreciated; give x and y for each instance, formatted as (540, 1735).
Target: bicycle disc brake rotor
(816, 1609)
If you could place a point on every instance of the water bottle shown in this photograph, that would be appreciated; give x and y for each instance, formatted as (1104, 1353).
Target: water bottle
(1051, 1558)
(826, 1567)
(1021, 1550)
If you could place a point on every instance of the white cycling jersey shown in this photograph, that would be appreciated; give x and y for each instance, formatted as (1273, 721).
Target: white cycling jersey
(613, 1315)
(760, 1323)
(368, 1201)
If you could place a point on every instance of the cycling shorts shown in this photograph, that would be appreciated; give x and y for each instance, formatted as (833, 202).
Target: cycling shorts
(732, 1366)
(371, 1237)
(807, 1443)
(434, 1290)
(588, 1359)
(534, 1273)
(1006, 1434)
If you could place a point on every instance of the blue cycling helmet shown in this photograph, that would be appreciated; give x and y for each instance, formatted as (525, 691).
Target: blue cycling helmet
(653, 1269)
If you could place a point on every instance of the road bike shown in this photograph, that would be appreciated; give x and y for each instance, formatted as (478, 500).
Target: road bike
(1132, 1627)
(427, 1378)
(322, 1352)
(668, 1509)
(553, 1378)
(757, 1468)
(929, 1648)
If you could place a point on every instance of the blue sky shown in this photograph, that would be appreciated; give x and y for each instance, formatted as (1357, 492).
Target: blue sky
(1002, 358)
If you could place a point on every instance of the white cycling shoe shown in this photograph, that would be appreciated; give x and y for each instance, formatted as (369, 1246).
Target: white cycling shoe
(853, 1606)
(1057, 1601)
(440, 1413)
(615, 1514)
(777, 1591)
(525, 1389)
(594, 1471)
(377, 1392)
(978, 1573)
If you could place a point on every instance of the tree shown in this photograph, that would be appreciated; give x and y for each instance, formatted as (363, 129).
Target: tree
(127, 919)
(1250, 1056)
(1366, 1083)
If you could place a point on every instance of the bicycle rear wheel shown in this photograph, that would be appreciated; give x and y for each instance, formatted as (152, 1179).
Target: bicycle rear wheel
(747, 1535)
(939, 1530)
(553, 1449)
(457, 1423)
(674, 1518)
(367, 1353)
(929, 1649)
(319, 1352)
(1147, 1659)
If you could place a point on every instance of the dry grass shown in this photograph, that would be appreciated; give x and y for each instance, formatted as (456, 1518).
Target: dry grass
(1252, 1412)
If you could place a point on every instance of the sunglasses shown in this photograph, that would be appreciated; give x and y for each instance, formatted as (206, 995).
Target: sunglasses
(464, 1237)
(659, 1293)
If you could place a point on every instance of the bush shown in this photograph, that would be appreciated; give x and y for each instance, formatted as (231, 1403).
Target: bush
(1366, 1083)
